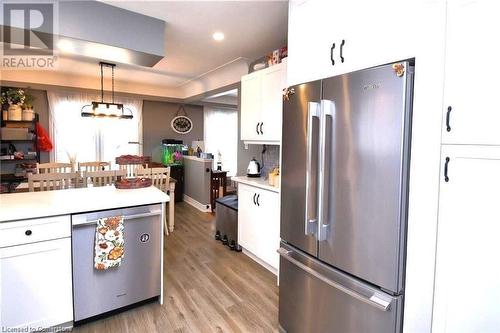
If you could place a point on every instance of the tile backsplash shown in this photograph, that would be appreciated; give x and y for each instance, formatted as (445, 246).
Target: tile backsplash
(271, 159)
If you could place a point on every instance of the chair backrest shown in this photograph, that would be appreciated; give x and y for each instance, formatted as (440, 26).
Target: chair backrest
(93, 166)
(54, 167)
(51, 181)
(101, 178)
(159, 176)
(130, 169)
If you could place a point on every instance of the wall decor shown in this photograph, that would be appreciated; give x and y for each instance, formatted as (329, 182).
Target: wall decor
(181, 123)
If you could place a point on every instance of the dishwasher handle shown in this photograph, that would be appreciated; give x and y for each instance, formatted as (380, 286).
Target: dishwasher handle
(125, 218)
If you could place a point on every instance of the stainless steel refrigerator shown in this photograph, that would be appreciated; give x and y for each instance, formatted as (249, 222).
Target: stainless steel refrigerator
(345, 169)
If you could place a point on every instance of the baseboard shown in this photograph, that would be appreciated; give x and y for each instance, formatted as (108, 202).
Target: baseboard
(260, 261)
(196, 204)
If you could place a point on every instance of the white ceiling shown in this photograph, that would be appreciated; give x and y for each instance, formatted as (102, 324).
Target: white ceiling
(229, 97)
(251, 28)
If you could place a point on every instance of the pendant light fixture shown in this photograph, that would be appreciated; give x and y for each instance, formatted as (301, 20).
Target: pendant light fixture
(105, 109)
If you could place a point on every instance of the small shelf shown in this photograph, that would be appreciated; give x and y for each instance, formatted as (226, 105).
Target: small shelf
(20, 121)
(11, 176)
(18, 140)
(20, 160)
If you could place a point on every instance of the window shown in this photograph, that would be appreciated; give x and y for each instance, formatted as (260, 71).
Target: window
(80, 139)
(220, 130)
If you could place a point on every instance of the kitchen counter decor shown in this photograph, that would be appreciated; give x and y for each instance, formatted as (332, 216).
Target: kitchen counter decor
(131, 183)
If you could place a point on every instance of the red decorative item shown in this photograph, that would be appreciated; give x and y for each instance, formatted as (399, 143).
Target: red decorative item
(43, 140)
(131, 183)
(132, 159)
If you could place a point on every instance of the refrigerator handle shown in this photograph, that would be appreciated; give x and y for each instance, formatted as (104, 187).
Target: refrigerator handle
(375, 300)
(311, 213)
(325, 143)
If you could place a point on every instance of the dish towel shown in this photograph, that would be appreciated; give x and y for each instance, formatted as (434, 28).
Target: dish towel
(109, 246)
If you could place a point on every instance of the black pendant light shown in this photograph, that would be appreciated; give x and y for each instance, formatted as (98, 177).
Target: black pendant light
(105, 109)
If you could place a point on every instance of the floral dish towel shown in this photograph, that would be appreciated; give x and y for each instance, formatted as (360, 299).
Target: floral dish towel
(109, 243)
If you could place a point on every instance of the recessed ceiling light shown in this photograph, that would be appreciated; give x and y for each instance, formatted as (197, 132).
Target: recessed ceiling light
(218, 36)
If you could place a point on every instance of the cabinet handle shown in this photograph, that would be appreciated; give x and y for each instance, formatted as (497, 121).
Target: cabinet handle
(257, 128)
(261, 131)
(341, 50)
(254, 202)
(446, 178)
(448, 127)
(28, 232)
(258, 197)
(331, 54)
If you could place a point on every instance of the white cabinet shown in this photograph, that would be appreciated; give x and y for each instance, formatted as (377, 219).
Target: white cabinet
(258, 223)
(36, 285)
(261, 104)
(467, 294)
(471, 113)
(328, 38)
(251, 99)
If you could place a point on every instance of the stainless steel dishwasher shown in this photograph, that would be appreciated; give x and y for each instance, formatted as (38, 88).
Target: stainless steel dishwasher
(137, 279)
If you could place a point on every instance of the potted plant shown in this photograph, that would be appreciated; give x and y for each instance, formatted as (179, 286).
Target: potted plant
(28, 113)
(15, 98)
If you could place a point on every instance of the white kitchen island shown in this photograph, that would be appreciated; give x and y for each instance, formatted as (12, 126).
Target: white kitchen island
(36, 236)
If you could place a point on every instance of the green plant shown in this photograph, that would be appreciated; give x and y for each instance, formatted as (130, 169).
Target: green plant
(28, 102)
(14, 96)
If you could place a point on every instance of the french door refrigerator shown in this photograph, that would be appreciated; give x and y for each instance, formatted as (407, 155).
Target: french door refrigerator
(345, 168)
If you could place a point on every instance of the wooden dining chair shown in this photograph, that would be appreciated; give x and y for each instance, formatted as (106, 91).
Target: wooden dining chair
(93, 166)
(51, 181)
(130, 169)
(160, 178)
(54, 168)
(101, 178)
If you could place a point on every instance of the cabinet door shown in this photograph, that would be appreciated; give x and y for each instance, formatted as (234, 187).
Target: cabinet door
(467, 294)
(367, 33)
(313, 26)
(269, 235)
(251, 101)
(384, 31)
(247, 218)
(273, 82)
(471, 75)
(35, 284)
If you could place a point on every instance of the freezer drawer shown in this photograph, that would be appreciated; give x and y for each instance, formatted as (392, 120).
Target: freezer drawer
(316, 298)
(138, 278)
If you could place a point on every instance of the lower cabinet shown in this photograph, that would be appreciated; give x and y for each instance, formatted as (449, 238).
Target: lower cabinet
(35, 278)
(259, 223)
(467, 288)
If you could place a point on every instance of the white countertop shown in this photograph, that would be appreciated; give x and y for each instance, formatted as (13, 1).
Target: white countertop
(27, 205)
(257, 182)
(198, 159)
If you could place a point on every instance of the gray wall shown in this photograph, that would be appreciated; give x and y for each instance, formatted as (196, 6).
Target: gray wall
(156, 119)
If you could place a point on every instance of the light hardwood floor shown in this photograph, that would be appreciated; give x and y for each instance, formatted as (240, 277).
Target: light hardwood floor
(208, 288)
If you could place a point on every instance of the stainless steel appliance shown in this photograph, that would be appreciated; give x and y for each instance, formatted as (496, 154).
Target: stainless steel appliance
(253, 169)
(345, 167)
(137, 279)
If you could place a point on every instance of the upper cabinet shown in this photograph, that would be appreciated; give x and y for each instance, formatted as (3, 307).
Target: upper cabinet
(261, 104)
(470, 112)
(328, 38)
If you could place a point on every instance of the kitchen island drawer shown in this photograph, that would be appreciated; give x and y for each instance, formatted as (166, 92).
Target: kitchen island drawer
(34, 230)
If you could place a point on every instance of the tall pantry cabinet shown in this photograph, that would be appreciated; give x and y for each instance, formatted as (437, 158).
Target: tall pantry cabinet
(467, 292)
